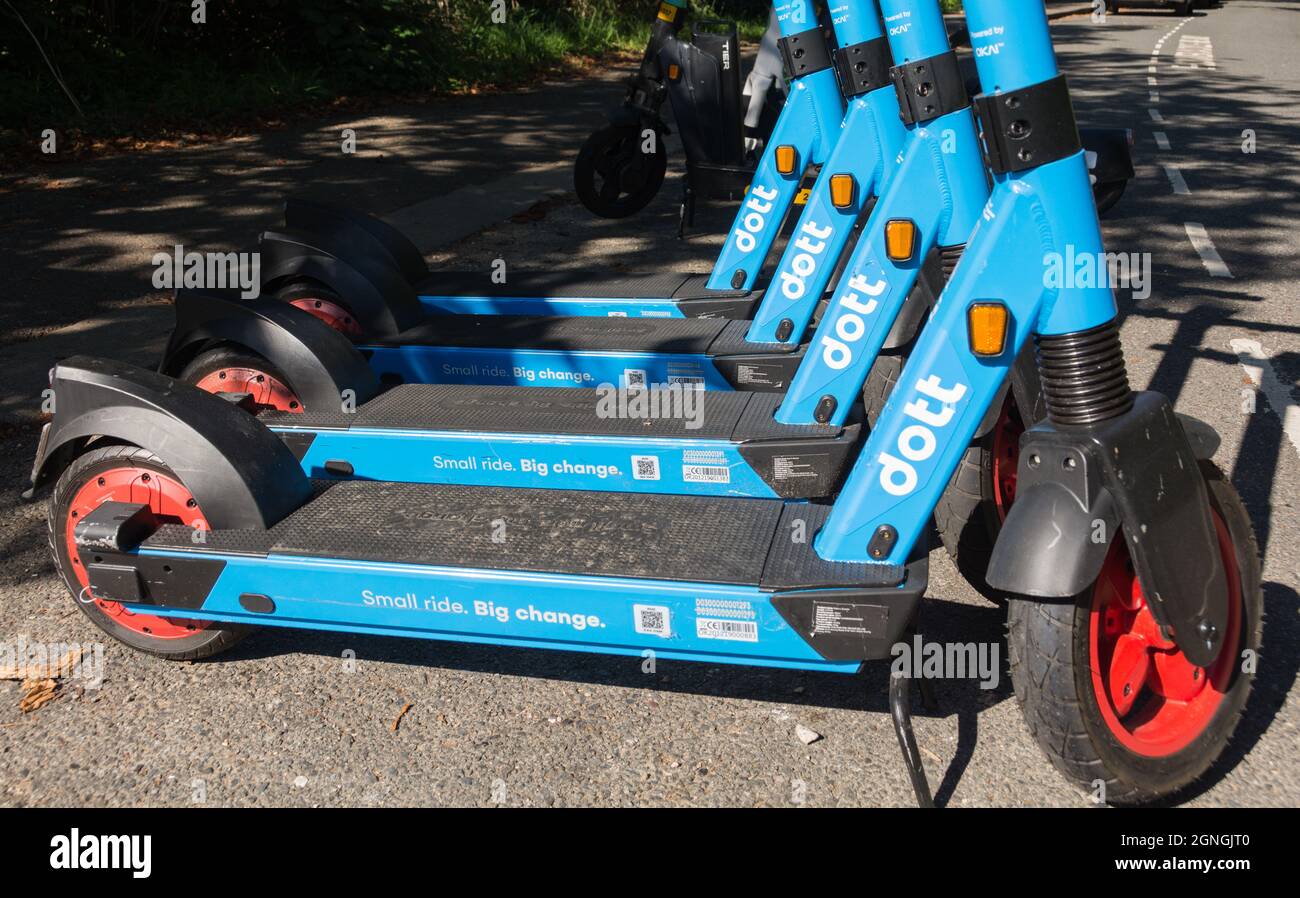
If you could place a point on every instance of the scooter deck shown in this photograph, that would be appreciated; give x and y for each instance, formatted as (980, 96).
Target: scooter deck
(524, 350)
(727, 579)
(537, 292)
(695, 336)
(722, 443)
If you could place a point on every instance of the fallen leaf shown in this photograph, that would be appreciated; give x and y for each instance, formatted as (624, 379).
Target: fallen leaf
(400, 714)
(38, 692)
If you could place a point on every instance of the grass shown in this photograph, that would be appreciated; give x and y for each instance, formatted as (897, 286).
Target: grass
(141, 96)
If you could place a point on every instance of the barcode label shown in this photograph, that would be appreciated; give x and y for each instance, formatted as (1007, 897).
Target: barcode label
(706, 474)
(617, 314)
(653, 620)
(645, 467)
(734, 630)
(693, 383)
(634, 377)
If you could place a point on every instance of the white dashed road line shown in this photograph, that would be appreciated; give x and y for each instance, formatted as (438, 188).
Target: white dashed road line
(1162, 139)
(1176, 180)
(1204, 247)
(1260, 371)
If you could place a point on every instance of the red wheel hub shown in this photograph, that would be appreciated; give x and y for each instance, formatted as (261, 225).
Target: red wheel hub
(1151, 697)
(168, 499)
(1006, 457)
(268, 392)
(333, 314)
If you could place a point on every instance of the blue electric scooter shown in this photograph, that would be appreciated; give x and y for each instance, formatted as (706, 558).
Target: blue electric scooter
(741, 444)
(1131, 562)
(710, 442)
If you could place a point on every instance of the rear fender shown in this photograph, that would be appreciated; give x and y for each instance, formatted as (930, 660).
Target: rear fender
(240, 473)
(318, 362)
(330, 220)
(357, 268)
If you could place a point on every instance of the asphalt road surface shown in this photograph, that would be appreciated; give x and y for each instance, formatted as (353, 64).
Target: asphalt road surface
(300, 718)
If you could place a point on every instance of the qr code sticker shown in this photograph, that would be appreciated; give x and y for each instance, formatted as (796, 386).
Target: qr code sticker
(635, 377)
(645, 467)
(653, 620)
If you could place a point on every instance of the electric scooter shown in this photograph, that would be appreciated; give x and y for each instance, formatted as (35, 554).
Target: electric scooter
(723, 127)
(1131, 563)
(754, 445)
(374, 267)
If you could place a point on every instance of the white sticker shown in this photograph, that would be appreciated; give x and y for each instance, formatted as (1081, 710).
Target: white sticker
(706, 474)
(690, 383)
(618, 314)
(645, 467)
(733, 630)
(634, 377)
(653, 620)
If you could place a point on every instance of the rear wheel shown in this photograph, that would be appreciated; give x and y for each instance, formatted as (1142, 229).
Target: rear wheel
(1108, 698)
(613, 177)
(129, 474)
(324, 303)
(231, 369)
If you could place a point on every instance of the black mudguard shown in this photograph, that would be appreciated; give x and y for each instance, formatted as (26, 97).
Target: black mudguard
(318, 362)
(323, 218)
(241, 474)
(1139, 472)
(352, 265)
(706, 96)
(1114, 156)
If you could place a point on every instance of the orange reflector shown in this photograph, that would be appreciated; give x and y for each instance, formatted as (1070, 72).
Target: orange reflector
(987, 323)
(667, 12)
(842, 189)
(674, 71)
(785, 159)
(900, 239)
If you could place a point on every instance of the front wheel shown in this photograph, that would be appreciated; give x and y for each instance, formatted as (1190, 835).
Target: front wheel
(1109, 699)
(613, 177)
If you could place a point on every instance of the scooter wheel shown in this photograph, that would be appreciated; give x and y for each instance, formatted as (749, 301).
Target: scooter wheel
(119, 473)
(1108, 194)
(230, 369)
(1110, 700)
(612, 177)
(324, 303)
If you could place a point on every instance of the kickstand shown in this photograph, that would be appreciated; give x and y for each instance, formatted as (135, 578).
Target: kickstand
(686, 217)
(900, 709)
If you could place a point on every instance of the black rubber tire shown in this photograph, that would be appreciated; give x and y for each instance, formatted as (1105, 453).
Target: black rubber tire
(1048, 652)
(1108, 195)
(205, 642)
(614, 147)
(227, 355)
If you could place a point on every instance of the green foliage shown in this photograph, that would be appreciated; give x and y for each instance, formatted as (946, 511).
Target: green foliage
(137, 65)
